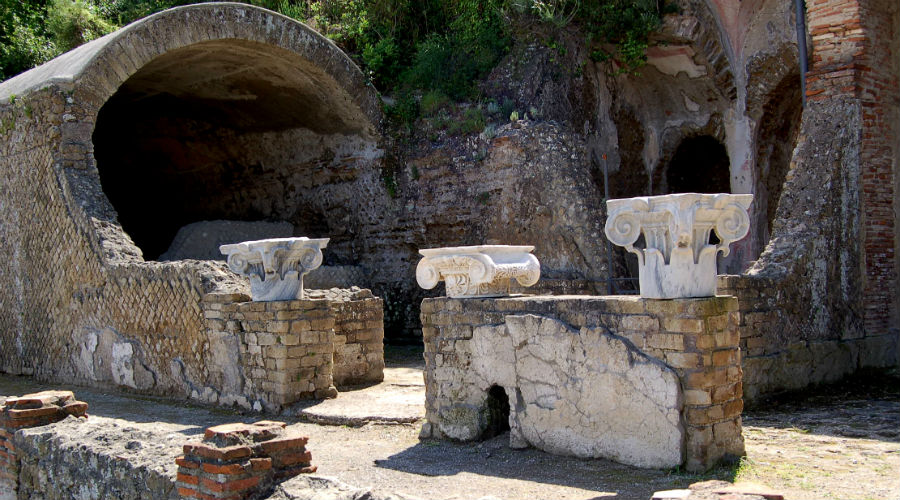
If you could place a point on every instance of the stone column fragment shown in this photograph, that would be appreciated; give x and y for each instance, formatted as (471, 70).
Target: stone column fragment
(478, 271)
(275, 266)
(677, 259)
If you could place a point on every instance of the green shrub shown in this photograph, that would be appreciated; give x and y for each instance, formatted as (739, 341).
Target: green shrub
(434, 102)
(404, 110)
(24, 42)
(383, 59)
(472, 121)
(626, 24)
(74, 22)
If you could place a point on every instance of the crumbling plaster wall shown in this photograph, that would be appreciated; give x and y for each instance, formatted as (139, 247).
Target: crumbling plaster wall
(653, 383)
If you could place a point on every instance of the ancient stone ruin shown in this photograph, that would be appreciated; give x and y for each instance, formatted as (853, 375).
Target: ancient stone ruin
(645, 382)
(677, 260)
(133, 136)
(113, 150)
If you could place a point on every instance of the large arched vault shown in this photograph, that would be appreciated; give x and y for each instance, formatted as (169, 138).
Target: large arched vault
(212, 111)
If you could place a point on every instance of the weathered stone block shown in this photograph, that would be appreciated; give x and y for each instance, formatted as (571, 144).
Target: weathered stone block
(526, 348)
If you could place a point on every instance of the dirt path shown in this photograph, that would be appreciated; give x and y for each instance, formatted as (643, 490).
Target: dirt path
(841, 444)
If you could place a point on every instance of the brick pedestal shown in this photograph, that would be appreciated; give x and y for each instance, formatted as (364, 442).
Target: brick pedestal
(295, 349)
(237, 461)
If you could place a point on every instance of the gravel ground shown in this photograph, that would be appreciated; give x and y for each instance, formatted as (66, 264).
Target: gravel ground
(841, 443)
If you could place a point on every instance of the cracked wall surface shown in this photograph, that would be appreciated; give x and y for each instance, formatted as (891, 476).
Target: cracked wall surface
(643, 382)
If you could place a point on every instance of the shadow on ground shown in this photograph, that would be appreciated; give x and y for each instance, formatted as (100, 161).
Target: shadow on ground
(865, 405)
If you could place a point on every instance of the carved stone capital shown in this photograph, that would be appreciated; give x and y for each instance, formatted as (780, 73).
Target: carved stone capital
(478, 271)
(677, 260)
(275, 266)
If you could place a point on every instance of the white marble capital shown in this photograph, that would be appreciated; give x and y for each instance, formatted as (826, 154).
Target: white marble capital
(478, 271)
(275, 266)
(677, 260)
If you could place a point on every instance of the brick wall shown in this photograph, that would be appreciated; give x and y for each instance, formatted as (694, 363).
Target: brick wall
(286, 346)
(294, 349)
(238, 461)
(358, 341)
(780, 350)
(697, 338)
(854, 56)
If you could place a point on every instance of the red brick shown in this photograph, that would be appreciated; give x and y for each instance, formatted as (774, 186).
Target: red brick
(76, 408)
(227, 469)
(187, 478)
(287, 473)
(260, 464)
(188, 464)
(187, 492)
(228, 486)
(279, 444)
(34, 413)
(292, 459)
(227, 453)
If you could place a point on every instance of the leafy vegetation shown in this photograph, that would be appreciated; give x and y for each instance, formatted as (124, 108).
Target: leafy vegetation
(440, 47)
(73, 23)
(624, 24)
(24, 41)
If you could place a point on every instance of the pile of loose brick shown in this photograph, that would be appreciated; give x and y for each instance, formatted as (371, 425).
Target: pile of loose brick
(237, 461)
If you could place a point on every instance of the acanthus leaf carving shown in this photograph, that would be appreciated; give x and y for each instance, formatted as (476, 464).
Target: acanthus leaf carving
(677, 260)
(275, 266)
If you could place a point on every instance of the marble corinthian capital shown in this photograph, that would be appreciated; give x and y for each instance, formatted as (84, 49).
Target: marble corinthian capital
(275, 266)
(676, 259)
(478, 271)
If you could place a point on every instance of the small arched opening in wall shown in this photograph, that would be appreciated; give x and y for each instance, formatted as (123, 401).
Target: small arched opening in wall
(225, 130)
(779, 128)
(497, 412)
(700, 164)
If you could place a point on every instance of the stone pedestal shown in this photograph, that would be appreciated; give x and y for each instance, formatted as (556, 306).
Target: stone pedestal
(651, 383)
(677, 260)
(478, 271)
(275, 266)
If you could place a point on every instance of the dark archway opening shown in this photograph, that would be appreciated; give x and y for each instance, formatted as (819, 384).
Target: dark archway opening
(227, 130)
(779, 129)
(497, 412)
(700, 165)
